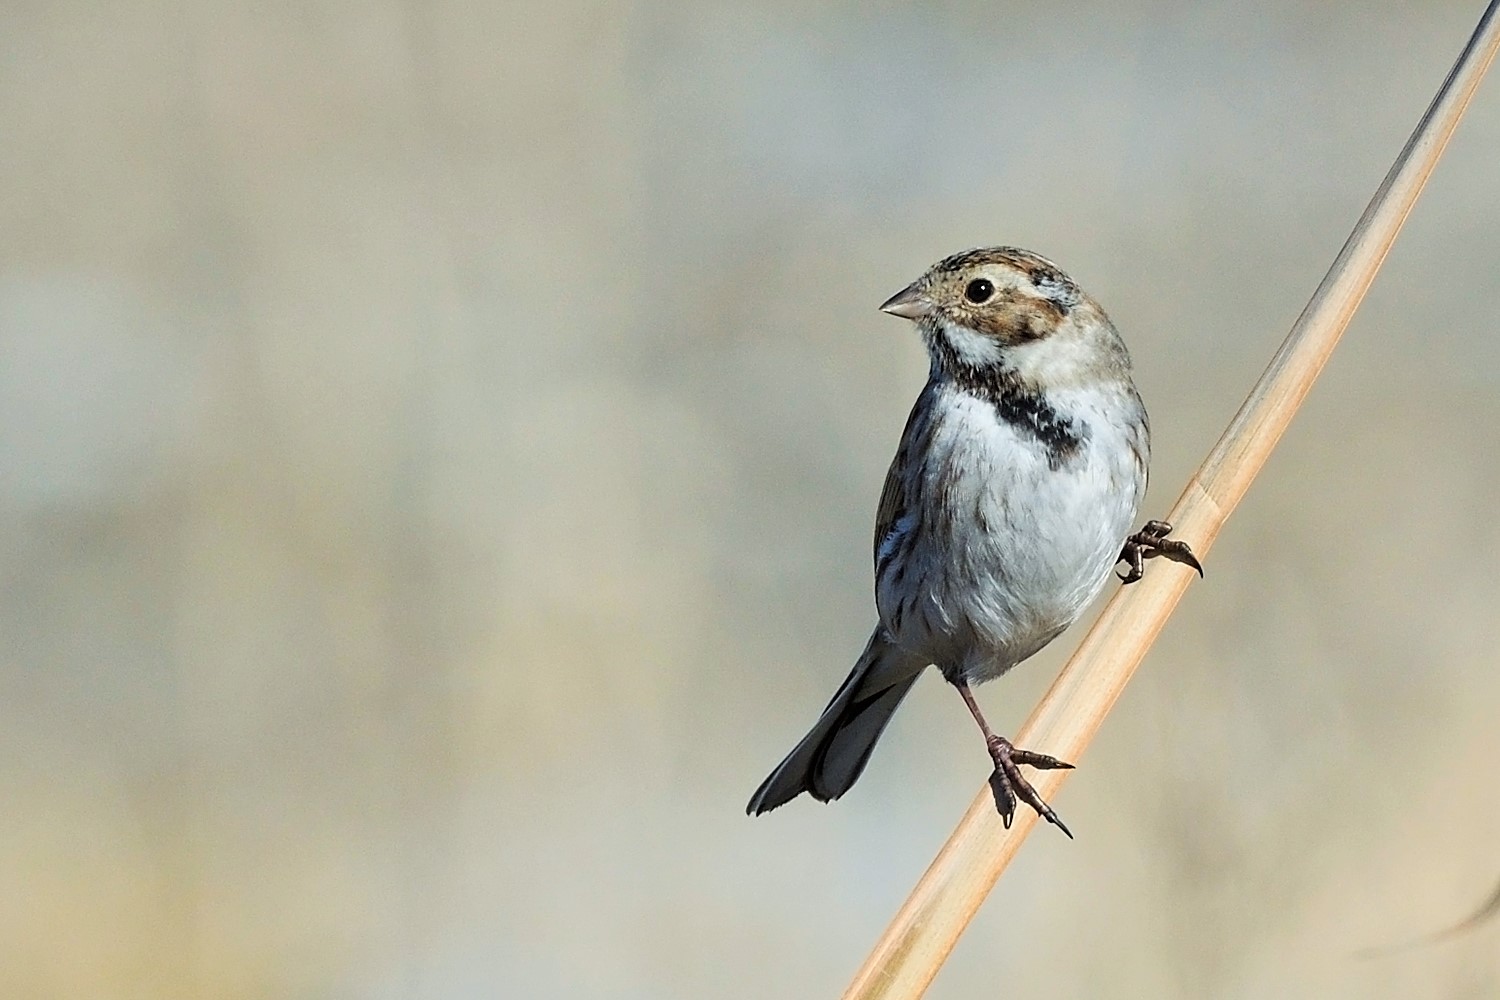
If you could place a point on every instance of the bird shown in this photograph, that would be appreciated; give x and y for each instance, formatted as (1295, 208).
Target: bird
(1010, 499)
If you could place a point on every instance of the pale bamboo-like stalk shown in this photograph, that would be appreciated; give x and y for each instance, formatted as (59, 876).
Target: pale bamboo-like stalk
(924, 931)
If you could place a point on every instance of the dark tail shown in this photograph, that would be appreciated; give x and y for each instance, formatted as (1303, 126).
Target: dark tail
(830, 758)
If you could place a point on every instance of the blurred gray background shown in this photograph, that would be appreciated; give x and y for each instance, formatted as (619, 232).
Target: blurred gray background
(439, 442)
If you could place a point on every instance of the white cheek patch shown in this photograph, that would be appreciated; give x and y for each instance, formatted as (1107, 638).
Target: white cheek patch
(1054, 360)
(971, 348)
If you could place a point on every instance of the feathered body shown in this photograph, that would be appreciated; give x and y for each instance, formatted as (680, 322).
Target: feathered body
(1014, 488)
(990, 539)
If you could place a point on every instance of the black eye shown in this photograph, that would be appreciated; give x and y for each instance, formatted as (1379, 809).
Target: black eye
(979, 290)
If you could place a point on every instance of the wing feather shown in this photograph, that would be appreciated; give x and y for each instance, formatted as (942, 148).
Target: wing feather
(897, 495)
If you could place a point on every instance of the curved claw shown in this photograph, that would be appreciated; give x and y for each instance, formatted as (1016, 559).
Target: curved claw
(1007, 783)
(1186, 557)
(1149, 543)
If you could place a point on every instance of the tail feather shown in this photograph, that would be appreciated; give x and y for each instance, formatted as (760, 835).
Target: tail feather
(831, 757)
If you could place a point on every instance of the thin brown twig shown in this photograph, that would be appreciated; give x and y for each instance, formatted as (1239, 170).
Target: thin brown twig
(924, 931)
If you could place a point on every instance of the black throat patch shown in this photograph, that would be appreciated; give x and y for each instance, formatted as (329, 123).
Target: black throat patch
(1024, 407)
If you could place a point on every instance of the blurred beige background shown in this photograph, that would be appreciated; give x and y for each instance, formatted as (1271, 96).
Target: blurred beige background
(438, 445)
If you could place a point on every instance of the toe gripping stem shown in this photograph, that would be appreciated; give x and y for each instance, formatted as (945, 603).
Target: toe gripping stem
(1151, 542)
(1008, 784)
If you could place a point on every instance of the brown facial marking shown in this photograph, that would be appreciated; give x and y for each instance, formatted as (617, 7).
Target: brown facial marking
(1010, 316)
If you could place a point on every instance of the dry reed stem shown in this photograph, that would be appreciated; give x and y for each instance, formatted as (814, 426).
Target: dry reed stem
(924, 931)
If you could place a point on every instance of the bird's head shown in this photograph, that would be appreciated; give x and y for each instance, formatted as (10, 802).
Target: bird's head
(1002, 307)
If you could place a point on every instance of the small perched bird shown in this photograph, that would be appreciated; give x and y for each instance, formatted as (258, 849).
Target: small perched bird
(1010, 498)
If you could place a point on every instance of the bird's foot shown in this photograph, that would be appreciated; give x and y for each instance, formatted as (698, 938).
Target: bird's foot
(1007, 784)
(1150, 542)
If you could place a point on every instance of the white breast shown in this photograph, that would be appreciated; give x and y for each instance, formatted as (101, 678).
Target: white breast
(1005, 552)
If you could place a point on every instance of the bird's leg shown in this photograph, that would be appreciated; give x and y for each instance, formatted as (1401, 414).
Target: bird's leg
(1007, 783)
(1150, 542)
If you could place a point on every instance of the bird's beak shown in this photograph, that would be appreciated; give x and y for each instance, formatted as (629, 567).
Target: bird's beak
(909, 303)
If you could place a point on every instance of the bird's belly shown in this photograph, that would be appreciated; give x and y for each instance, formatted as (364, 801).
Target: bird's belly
(1009, 553)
